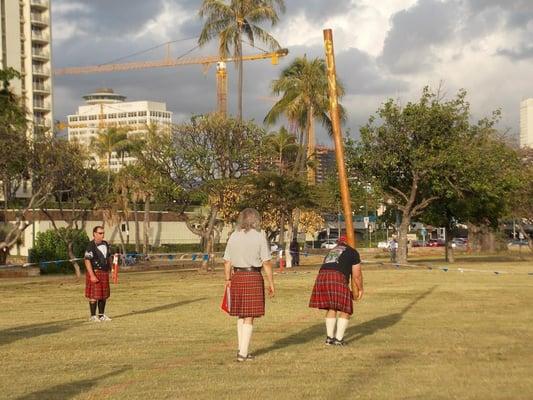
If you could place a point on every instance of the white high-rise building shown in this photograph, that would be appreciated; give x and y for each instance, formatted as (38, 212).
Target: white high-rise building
(25, 46)
(105, 109)
(526, 123)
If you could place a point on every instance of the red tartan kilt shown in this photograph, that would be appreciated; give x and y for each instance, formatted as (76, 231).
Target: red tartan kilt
(99, 290)
(247, 294)
(331, 292)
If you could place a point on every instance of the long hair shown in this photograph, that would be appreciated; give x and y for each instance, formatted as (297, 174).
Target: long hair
(249, 218)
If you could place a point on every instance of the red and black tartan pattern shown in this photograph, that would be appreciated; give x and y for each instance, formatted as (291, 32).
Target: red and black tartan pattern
(99, 290)
(247, 294)
(331, 292)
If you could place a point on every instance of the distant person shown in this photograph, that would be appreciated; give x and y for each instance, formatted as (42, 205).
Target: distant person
(97, 261)
(331, 291)
(393, 249)
(295, 252)
(246, 252)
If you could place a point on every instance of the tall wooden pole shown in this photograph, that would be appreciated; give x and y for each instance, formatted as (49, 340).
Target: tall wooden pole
(337, 136)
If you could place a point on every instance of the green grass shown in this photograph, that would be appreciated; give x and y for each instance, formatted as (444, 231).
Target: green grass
(418, 334)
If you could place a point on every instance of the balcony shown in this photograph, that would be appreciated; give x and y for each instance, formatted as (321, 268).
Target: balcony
(42, 122)
(41, 88)
(40, 55)
(40, 4)
(41, 106)
(39, 37)
(39, 19)
(40, 71)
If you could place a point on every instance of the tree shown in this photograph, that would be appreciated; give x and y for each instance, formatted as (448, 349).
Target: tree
(229, 22)
(482, 190)
(521, 208)
(303, 87)
(109, 141)
(410, 153)
(285, 148)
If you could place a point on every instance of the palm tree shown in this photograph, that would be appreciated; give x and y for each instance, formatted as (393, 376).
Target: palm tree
(303, 87)
(283, 143)
(112, 140)
(230, 22)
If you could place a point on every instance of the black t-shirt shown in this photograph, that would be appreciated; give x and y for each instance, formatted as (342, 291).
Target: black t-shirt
(342, 258)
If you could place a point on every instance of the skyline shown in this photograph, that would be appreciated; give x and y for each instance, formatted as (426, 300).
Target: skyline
(481, 46)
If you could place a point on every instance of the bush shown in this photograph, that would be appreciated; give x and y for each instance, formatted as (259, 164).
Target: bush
(50, 247)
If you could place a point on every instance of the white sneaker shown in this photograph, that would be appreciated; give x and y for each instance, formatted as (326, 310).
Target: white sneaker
(94, 318)
(104, 318)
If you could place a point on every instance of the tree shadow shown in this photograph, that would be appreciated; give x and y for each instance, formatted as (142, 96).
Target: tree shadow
(69, 390)
(10, 335)
(158, 308)
(30, 331)
(368, 328)
(303, 336)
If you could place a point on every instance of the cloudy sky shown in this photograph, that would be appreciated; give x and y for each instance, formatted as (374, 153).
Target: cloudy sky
(384, 49)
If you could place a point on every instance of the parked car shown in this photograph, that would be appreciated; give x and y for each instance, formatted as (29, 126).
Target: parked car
(518, 242)
(418, 243)
(328, 244)
(436, 243)
(459, 242)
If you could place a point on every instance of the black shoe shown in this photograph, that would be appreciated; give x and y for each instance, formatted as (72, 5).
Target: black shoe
(329, 340)
(338, 342)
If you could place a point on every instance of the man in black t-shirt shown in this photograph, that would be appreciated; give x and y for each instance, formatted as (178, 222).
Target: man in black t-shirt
(331, 291)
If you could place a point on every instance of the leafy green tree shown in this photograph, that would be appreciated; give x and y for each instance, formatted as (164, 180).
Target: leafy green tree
(412, 153)
(285, 148)
(231, 20)
(75, 190)
(109, 141)
(303, 87)
(482, 190)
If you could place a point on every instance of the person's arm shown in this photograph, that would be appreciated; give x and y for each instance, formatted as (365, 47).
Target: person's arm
(357, 282)
(89, 268)
(267, 265)
(227, 272)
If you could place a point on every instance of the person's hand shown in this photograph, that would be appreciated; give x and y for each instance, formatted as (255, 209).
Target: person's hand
(94, 279)
(227, 283)
(271, 290)
(359, 295)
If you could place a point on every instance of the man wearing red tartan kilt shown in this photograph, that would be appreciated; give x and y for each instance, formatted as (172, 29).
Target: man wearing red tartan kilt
(98, 264)
(246, 252)
(331, 291)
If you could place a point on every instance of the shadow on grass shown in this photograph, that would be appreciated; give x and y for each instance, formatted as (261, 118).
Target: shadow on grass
(69, 390)
(368, 328)
(159, 308)
(303, 336)
(34, 330)
(48, 328)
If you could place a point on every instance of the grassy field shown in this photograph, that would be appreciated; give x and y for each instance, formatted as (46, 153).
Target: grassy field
(418, 334)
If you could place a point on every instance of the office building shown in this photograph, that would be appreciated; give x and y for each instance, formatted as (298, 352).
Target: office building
(325, 157)
(526, 123)
(25, 46)
(106, 109)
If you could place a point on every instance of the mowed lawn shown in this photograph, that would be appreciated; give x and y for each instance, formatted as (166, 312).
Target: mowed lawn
(418, 334)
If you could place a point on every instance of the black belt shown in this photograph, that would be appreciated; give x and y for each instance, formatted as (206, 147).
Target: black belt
(248, 269)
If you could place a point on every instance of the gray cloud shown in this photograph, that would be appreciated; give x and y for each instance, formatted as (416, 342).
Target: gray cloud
(409, 46)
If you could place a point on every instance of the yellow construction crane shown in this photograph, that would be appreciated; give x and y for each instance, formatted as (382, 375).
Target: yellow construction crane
(221, 73)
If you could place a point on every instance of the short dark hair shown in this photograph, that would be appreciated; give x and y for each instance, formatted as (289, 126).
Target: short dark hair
(97, 227)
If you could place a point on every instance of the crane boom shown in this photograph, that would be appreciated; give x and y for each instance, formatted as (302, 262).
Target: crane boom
(167, 62)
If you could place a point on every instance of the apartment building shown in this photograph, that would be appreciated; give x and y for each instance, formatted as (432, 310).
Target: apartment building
(325, 157)
(104, 109)
(25, 46)
(526, 123)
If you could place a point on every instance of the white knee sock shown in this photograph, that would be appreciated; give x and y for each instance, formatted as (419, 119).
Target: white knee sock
(330, 327)
(245, 339)
(342, 324)
(240, 322)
